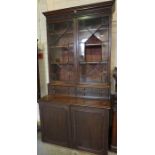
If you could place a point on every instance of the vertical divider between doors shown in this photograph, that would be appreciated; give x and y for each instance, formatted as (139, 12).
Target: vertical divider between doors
(76, 54)
(72, 126)
(109, 52)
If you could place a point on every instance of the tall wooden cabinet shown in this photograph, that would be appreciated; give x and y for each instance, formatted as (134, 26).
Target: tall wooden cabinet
(75, 113)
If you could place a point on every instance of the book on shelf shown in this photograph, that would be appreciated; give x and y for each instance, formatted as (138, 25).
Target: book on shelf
(71, 57)
(71, 76)
(65, 57)
(88, 55)
(96, 54)
(93, 54)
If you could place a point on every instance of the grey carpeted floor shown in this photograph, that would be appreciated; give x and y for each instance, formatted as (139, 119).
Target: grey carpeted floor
(48, 149)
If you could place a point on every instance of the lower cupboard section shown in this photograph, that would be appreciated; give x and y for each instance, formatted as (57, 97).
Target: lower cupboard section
(79, 127)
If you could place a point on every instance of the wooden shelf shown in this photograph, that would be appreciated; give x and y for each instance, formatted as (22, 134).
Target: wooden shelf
(60, 33)
(62, 46)
(61, 83)
(67, 100)
(95, 85)
(80, 85)
(94, 44)
(86, 30)
(93, 62)
(69, 63)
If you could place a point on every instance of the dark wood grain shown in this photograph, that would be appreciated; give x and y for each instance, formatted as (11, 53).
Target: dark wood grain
(73, 10)
(90, 129)
(67, 100)
(55, 123)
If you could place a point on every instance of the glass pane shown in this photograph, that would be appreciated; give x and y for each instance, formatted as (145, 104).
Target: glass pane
(62, 72)
(62, 55)
(93, 73)
(60, 27)
(61, 34)
(93, 23)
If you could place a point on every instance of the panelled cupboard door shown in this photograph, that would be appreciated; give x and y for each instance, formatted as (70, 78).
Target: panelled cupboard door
(55, 123)
(90, 129)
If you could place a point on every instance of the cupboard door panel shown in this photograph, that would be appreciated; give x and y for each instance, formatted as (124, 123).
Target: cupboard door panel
(90, 129)
(55, 124)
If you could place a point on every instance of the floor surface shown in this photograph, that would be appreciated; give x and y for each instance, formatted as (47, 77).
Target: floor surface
(50, 149)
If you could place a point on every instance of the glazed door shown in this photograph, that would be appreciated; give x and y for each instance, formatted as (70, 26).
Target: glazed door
(90, 129)
(61, 51)
(93, 49)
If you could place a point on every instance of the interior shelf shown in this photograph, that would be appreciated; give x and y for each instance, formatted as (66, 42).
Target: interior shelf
(94, 62)
(80, 85)
(86, 30)
(62, 46)
(69, 63)
(93, 44)
(60, 33)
